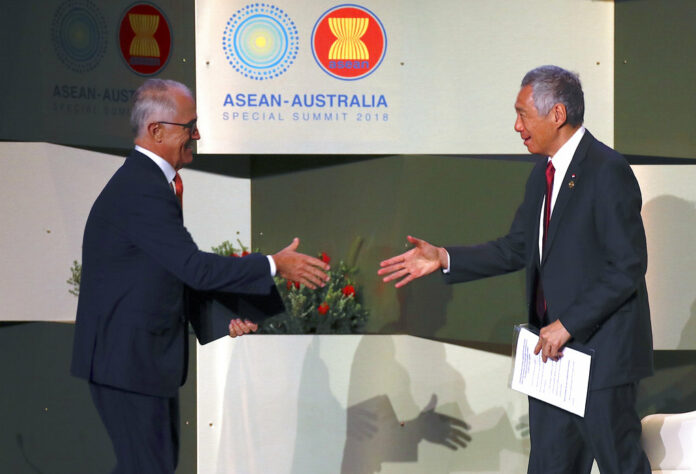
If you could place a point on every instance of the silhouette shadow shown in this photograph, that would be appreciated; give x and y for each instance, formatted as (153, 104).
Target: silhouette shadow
(670, 224)
(319, 438)
(381, 393)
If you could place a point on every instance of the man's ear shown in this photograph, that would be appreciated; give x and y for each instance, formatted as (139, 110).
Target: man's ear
(154, 131)
(560, 114)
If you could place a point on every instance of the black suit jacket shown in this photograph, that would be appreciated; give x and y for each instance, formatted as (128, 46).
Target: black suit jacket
(594, 262)
(137, 261)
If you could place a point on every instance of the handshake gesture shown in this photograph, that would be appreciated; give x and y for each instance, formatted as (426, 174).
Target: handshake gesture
(421, 260)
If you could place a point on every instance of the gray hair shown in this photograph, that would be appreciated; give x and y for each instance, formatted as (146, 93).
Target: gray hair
(554, 85)
(152, 99)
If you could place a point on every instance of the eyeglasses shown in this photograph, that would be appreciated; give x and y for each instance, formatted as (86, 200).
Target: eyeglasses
(190, 126)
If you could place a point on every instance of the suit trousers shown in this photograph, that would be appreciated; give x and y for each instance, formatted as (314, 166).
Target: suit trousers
(144, 429)
(562, 442)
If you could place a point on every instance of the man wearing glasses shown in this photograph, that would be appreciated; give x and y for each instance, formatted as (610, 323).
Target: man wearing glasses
(131, 341)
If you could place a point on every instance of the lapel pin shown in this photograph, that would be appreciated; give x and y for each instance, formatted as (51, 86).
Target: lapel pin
(571, 183)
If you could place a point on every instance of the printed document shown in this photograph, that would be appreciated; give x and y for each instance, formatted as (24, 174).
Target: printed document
(562, 383)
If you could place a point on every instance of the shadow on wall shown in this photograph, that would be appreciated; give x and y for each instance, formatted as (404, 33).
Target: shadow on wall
(670, 224)
(320, 417)
(374, 432)
(382, 396)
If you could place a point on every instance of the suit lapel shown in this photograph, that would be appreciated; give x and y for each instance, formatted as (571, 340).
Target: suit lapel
(135, 158)
(567, 191)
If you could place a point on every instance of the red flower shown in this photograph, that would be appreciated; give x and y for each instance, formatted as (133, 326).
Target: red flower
(234, 255)
(288, 285)
(245, 253)
(348, 290)
(323, 308)
(325, 258)
(297, 285)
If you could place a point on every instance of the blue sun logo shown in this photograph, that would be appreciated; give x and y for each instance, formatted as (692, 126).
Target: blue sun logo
(260, 41)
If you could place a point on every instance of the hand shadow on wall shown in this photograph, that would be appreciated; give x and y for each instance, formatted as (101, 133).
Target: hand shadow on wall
(381, 390)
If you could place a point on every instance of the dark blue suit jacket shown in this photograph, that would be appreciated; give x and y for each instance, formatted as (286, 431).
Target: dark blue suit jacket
(594, 262)
(137, 260)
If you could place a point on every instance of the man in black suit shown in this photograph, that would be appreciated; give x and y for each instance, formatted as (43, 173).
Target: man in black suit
(585, 256)
(131, 341)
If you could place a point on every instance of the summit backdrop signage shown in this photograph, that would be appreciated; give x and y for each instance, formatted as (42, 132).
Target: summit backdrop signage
(72, 66)
(388, 76)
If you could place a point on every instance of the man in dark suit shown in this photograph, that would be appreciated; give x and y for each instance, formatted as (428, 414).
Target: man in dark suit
(585, 256)
(131, 341)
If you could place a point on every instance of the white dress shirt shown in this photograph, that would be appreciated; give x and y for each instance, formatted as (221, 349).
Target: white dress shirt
(561, 162)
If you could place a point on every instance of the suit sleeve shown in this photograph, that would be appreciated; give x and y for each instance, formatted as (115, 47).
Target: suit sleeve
(617, 219)
(503, 255)
(154, 224)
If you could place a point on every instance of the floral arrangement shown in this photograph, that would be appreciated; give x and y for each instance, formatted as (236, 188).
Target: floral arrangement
(334, 309)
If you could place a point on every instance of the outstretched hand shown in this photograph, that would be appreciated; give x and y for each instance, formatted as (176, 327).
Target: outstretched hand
(446, 430)
(299, 267)
(421, 260)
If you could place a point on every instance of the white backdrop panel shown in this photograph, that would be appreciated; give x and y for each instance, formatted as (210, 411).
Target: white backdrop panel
(449, 78)
(669, 215)
(46, 196)
(355, 404)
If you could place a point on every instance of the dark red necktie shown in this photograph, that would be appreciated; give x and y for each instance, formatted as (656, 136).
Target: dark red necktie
(540, 298)
(179, 189)
(550, 170)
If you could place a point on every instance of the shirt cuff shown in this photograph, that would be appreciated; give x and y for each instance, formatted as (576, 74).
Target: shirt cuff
(272, 264)
(447, 270)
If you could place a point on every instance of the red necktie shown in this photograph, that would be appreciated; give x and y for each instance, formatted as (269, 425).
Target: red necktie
(550, 170)
(540, 298)
(179, 189)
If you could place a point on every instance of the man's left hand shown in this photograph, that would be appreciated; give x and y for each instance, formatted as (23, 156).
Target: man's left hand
(239, 327)
(552, 338)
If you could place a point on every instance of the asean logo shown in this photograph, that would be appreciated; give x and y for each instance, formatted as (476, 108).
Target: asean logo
(349, 42)
(260, 41)
(145, 39)
(78, 33)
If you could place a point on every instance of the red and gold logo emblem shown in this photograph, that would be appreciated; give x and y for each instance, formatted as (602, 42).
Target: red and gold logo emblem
(349, 42)
(145, 39)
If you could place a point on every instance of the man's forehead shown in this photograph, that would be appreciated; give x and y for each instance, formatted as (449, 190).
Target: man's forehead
(524, 99)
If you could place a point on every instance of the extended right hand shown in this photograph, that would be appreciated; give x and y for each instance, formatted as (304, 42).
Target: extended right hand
(421, 260)
(299, 267)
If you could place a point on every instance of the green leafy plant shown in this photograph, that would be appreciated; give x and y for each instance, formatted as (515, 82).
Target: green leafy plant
(334, 309)
(74, 280)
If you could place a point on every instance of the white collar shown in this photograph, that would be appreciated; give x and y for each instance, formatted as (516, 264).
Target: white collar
(167, 169)
(561, 160)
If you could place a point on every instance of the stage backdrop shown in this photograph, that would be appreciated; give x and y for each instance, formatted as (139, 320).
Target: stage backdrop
(70, 67)
(389, 76)
(45, 199)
